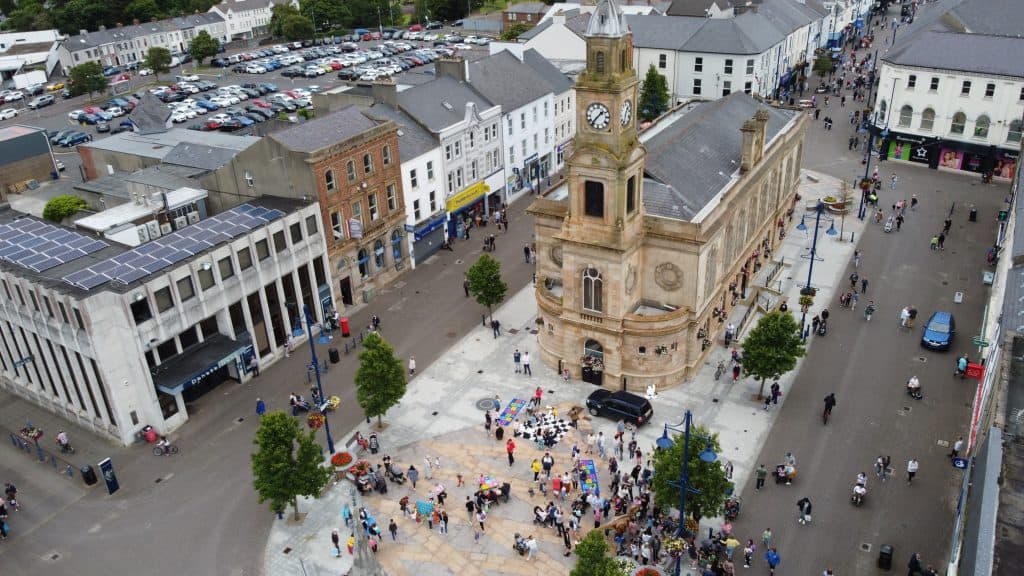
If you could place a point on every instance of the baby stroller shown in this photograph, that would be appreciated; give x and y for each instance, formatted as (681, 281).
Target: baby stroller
(519, 545)
(784, 474)
(732, 508)
(393, 474)
(889, 223)
(540, 516)
(380, 484)
(364, 484)
(822, 328)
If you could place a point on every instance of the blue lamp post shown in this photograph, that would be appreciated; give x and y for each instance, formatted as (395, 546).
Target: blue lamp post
(807, 290)
(707, 455)
(871, 139)
(315, 364)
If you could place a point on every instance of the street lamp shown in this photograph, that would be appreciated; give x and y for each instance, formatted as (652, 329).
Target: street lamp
(707, 455)
(315, 365)
(807, 290)
(871, 138)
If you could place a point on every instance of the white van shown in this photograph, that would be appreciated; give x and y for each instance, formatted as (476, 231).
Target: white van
(234, 59)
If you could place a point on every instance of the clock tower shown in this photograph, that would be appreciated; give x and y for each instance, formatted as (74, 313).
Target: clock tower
(607, 163)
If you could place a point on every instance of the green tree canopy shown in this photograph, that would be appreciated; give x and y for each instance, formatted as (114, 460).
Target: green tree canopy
(328, 14)
(143, 10)
(514, 31)
(772, 348)
(287, 464)
(707, 477)
(203, 46)
(380, 379)
(158, 60)
(654, 97)
(823, 65)
(485, 283)
(60, 207)
(87, 78)
(26, 16)
(592, 557)
(278, 14)
(297, 28)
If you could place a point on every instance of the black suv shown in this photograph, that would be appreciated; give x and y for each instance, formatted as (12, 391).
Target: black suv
(620, 406)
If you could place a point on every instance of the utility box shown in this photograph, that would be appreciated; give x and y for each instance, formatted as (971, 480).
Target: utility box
(885, 557)
(88, 475)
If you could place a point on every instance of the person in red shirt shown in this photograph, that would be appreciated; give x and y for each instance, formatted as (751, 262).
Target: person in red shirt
(537, 394)
(510, 447)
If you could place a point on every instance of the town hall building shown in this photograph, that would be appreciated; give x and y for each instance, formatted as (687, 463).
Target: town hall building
(656, 234)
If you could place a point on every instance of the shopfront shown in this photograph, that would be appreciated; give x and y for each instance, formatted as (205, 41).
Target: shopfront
(428, 237)
(908, 148)
(202, 368)
(465, 208)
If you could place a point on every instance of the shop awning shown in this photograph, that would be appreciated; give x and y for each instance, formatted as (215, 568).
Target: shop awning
(197, 363)
(466, 197)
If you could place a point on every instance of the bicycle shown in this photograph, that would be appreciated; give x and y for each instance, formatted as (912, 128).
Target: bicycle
(167, 450)
(719, 370)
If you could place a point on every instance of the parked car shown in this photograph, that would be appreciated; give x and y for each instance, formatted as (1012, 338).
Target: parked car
(620, 405)
(8, 113)
(74, 139)
(145, 72)
(60, 165)
(102, 126)
(55, 86)
(14, 96)
(58, 135)
(938, 331)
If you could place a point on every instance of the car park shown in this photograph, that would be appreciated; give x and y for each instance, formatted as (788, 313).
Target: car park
(40, 101)
(55, 86)
(938, 331)
(14, 96)
(8, 113)
(620, 405)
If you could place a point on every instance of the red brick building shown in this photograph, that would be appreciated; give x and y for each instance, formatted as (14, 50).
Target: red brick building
(528, 13)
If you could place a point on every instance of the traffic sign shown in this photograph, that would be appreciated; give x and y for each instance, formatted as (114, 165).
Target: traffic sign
(960, 463)
(980, 342)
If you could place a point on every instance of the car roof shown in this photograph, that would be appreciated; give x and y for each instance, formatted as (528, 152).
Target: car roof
(599, 394)
(630, 398)
(943, 317)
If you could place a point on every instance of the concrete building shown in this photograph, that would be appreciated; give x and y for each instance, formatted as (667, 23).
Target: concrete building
(114, 339)
(25, 155)
(127, 45)
(20, 50)
(655, 235)
(248, 19)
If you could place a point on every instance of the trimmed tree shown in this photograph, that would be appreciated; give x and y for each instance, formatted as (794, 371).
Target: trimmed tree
(485, 283)
(287, 464)
(823, 65)
(203, 46)
(514, 31)
(87, 78)
(380, 379)
(60, 207)
(772, 348)
(297, 28)
(707, 477)
(593, 559)
(158, 60)
(654, 98)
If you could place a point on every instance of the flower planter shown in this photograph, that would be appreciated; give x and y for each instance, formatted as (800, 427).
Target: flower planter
(647, 571)
(342, 461)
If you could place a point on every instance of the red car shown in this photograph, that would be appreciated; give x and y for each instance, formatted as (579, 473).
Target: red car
(415, 28)
(93, 109)
(336, 66)
(260, 103)
(367, 37)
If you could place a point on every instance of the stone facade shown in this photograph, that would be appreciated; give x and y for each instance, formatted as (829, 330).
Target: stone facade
(629, 296)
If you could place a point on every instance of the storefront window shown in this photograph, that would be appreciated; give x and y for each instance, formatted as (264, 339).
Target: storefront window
(364, 263)
(378, 254)
(396, 245)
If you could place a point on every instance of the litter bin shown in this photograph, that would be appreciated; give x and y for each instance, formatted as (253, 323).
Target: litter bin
(88, 475)
(499, 433)
(333, 354)
(973, 214)
(885, 556)
(344, 328)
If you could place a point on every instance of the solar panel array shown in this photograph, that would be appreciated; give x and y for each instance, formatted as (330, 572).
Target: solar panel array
(39, 246)
(168, 250)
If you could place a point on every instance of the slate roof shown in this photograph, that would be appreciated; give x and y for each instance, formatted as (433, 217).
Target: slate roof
(413, 139)
(694, 156)
(976, 53)
(694, 7)
(158, 145)
(441, 102)
(527, 8)
(578, 23)
(504, 79)
(199, 156)
(993, 17)
(529, 34)
(325, 131)
(124, 33)
(243, 5)
(557, 81)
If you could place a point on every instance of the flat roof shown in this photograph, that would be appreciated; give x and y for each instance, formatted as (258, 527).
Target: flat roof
(17, 131)
(158, 145)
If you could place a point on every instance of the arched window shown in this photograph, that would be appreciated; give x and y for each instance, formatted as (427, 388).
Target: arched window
(396, 245)
(367, 163)
(599, 62)
(959, 120)
(350, 170)
(927, 119)
(364, 263)
(593, 349)
(329, 180)
(882, 107)
(386, 153)
(981, 126)
(592, 286)
(906, 115)
(1013, 135)
(378, 254)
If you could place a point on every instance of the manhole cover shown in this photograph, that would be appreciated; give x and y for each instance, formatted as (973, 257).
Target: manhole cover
(287, 550)
(921, 359)
(459, 261)
(903, 411)
(513, 330)
(865, 547)
(484, 404)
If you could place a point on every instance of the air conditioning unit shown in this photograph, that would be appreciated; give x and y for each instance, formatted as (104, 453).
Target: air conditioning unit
(180, 222)
(154, 229)
(165, 228)
(193, 217)
(143, 233)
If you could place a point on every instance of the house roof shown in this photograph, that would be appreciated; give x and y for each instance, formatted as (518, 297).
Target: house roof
(532, 32)
(993, 17)
(413, 139)
(557, 81)
(977, 53)
(243, 5)
(696, 8)
(325, 131)
(199, 156)
(694, 156)
(123, 33)
(441, 102)
(527, 8)
(160, 144)
(506, 80)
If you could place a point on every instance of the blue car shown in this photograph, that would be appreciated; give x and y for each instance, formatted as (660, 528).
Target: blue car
(938, 331)
(270, 87)
(206, 104)
(88, 118)
(245, 122)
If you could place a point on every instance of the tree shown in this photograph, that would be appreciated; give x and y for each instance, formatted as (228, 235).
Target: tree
(485, 283)
(60, 207)
(654, 98)
(87, 78)
(297, 28)
(203, 46)
(380, 379)
(143, 10)
(707, 477)
(326, 14)
(513, 31)
(823, 65)
(158, 60)
(288, 463)
(593, 559)
(772, 348)
(278, 14)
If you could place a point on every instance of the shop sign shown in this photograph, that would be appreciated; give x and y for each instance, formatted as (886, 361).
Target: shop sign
(467, 196)
(355, 228)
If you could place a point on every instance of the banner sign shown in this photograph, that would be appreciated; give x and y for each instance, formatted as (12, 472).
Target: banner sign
(107, 469)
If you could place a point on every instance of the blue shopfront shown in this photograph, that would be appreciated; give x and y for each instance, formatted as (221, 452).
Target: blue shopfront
(427, 238)
(202, 368)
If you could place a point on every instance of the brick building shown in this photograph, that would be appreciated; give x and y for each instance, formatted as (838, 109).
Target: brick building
(528, 13)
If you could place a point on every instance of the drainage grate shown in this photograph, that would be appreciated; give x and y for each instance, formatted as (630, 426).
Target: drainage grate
(921, 359)
(865, 547)
(484, 404)
(513, 330)
(287, 550)
(242, 419)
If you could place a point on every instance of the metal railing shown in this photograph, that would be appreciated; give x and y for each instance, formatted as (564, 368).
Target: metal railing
(33, 449)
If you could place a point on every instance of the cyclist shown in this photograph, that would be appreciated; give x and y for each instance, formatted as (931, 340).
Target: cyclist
(163, 444)
(62, 441)
(830, 403)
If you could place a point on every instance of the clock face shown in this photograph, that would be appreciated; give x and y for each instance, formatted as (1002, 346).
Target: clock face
(598, 116)
(627, 112)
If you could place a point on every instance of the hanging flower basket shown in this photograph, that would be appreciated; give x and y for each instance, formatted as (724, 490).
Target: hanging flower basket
(647, 571)
(360, 468)
(315, 421)
(342, 460)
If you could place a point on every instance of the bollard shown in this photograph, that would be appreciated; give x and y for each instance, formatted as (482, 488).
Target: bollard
(40, 454)
(853, 235)
(483, 320)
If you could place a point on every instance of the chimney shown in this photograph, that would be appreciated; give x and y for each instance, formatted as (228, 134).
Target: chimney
(761, 118)
(452, 66)
(747, 153)
(385, 91)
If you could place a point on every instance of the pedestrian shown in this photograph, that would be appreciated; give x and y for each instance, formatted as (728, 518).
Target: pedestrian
(735, 372)
(762, 474)
(892, 180)
(911, 316)
(767, 402)
(804, 506)
(854, 297)
(497, 404)
(526, 253)
(526, 363)
(772, 556)
(517, 359)
(481, 517)
(957, 447)
(428, 469)
(869, 310)
(863, 285)
(413, 475)
(942, 240)
(815, 322)
(444, 521)
(886, 461)
(393, 528)
(531, 547)
(346, 514)
(470, 508)
(904, 317)
(496, 328)
(748, 553)
(854, 277)
(535, 468)
(537, 395)
(465, 287)
(899, 222)
(912, 466)
(412, 365)
(547, 463)
(856, 258)
(601, 445)
(776, 391)
(510, 447)
(914, 566)
(487, 422)
(254, 366)
(591, 440)
(261, 408)
(913, 202)
(336, 543)
(817, 113)
(766, 537)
